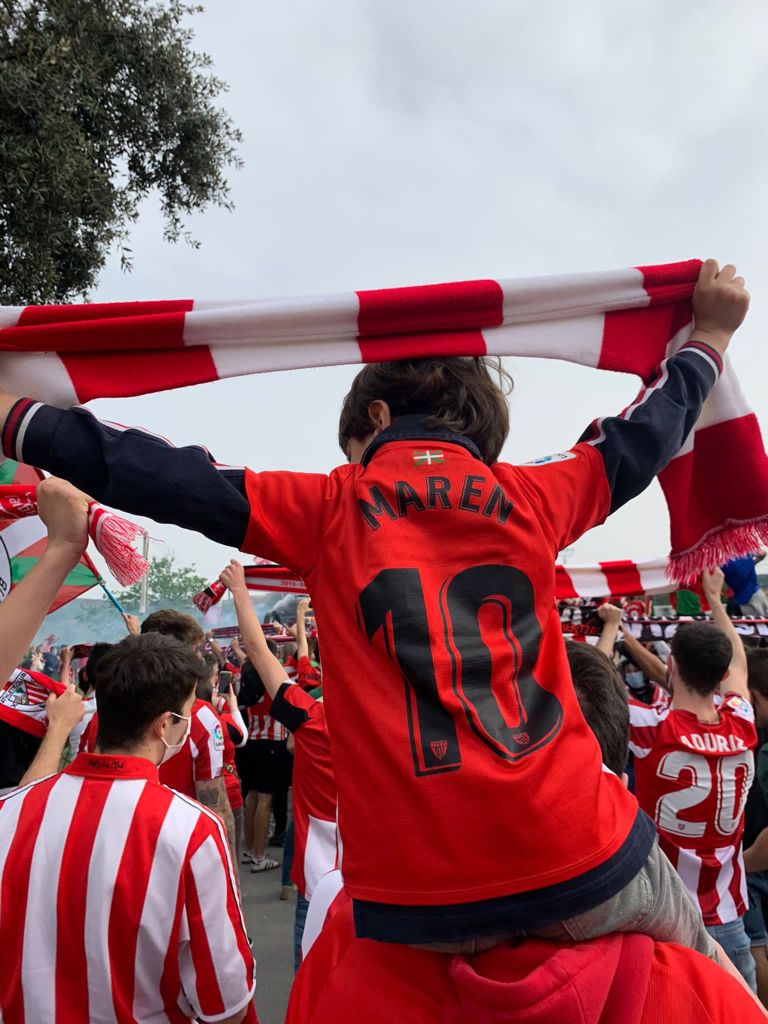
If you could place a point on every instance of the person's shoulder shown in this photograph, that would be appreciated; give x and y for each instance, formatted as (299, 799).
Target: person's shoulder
(683, 977)
(184, 816)
(734, 704)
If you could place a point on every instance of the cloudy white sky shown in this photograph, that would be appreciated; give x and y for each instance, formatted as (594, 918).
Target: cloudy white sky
(389, 144)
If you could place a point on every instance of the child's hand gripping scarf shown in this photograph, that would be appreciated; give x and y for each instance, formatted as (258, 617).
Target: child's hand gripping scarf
(628, 321)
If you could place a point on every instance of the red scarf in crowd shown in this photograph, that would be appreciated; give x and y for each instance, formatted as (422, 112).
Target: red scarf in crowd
(627, 320)
(111, 534)
(601, 580)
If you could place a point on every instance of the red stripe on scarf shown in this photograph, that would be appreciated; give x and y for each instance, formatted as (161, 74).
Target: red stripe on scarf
(88, 334)
(702, 532)
(635, 340)
(118, 374)
(434, 308)
(623, 578)
(101, 311)
(564, 587)
(421, 346)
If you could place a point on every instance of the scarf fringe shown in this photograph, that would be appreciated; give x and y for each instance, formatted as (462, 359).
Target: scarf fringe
(209, 597)
(732, 540)
(113, 537)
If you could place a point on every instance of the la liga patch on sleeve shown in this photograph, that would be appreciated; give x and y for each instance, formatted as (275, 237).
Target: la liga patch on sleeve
(740, 706)
(218, 737)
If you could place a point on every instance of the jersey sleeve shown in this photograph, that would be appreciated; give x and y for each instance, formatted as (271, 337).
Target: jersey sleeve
(207, 743)
(644, 722)
(289, 513)
(216, 967)
(617, 457)
(293, 707)
(131, 469)
(742, 716)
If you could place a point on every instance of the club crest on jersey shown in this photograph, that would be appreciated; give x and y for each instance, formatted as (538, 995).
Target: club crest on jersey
(546, 460)
(428, 458)
(439, 748)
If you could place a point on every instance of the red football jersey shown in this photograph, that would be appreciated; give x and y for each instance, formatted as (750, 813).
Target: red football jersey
(456, 714)
(693, 778)
(261, 724)
(314, 787)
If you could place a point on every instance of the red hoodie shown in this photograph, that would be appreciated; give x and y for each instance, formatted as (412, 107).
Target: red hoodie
(619, 979)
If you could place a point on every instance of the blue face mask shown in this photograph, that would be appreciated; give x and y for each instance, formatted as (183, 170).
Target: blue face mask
(634, 680)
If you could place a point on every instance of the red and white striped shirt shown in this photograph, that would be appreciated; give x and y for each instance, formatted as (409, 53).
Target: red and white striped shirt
(262, 726)
(118, 902)
(693, 778)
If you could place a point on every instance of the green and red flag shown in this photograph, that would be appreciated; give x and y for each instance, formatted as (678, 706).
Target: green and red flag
(22, 542)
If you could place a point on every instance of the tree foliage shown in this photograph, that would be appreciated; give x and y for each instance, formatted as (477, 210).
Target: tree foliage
(102, 102)
(168, 585)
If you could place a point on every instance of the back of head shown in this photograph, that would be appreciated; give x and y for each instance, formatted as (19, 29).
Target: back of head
(461, 395)
(603, 701)
(88, 675)
(176, 624)
(205, 686)
(702, 654)
(757, 667)
(139, 679)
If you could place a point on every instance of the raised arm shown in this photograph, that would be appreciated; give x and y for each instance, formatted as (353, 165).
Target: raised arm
(610, 616)
(302, 646)
(64, 510)
(736, 681)
(129, 469)
(270, 670)
(618, 456)
(653, 668)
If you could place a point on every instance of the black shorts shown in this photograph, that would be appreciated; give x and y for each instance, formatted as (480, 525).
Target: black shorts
(265, 766)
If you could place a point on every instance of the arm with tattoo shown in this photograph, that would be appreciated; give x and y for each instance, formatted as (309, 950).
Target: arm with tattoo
(213, 794)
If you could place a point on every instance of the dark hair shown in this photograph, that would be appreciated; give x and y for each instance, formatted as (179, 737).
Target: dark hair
(603, 701)
(757, 670)
(204, 689)
(176, 624)
(139, 679)
(88, 674)
(458, 394)
(252, 686)
(702, 653)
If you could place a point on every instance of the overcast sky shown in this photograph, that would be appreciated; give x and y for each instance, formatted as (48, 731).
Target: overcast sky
(394, 144)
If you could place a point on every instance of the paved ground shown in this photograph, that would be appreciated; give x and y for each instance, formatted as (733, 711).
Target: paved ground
(270, 924)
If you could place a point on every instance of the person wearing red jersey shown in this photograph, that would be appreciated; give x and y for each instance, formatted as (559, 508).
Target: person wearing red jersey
(314, 787)
(264, 766)
(235, 735)
(440, 561)
(614, 980)
(694, 766)
(102, 865)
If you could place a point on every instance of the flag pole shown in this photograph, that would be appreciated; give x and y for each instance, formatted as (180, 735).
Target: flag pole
(111, 596)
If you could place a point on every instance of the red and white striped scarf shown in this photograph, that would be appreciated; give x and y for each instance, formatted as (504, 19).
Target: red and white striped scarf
(627, 320)
(601, 580)
(111, 534)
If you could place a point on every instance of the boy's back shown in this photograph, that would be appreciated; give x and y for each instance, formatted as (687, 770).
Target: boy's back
(458, 708)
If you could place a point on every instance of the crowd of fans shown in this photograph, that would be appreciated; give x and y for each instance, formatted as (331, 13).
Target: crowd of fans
(464, 839)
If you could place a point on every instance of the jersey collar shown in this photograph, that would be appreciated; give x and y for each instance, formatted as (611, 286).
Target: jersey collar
(412, 428)
(113, 766)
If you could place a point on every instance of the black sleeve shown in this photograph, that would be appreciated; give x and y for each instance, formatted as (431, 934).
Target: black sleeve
(640, 442)
(131, 470)
(288, 714)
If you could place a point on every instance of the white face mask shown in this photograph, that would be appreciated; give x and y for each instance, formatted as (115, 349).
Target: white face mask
(171, 749)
